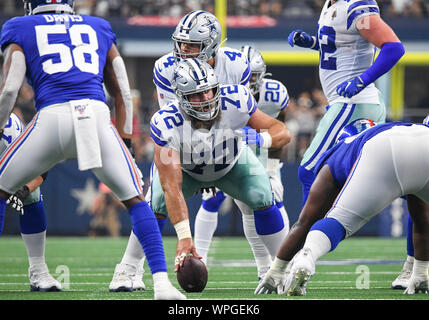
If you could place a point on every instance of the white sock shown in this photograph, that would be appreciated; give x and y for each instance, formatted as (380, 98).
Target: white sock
(273, 241)
(260, 253)
(285, 218)
(318, 242)
(205, 226)
(35, 245)
(160, 279)
(134, 251)
(279, 265)
(140, 266)
(420, 268)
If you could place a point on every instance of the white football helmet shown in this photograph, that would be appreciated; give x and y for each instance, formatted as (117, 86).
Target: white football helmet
(198, 27)
(257, 67)
(193, 76)
(13, 128)
(39, 6)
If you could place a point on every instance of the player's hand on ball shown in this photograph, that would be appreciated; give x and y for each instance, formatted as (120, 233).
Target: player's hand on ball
(184, 248)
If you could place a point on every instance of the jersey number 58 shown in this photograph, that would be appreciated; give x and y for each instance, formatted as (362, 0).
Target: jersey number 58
(69, 56)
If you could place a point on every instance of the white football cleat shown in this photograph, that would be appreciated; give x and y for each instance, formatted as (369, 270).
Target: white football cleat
(122, 280)
(401, 282)
(303, 268)
(138, 283)
(41, 279)
(166, 291)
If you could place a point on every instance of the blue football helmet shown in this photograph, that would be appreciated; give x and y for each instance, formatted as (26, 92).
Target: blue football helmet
(40, 6)
(354, 127)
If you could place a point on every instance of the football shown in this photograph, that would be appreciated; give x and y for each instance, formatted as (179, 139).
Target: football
(193, 275)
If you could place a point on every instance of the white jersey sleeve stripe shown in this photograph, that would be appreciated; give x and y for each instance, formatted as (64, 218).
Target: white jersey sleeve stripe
(359, 9)
(246, 76)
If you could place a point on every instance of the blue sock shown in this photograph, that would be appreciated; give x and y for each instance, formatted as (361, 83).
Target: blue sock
(145, 227)
(214, 203)
(307, 178)
(34, 218)
(410, 244)
(161, 224)
(2, 213)
(268, 221)
(333, 230)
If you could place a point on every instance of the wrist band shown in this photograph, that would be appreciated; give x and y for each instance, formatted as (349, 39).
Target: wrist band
(268, 140)
(183, 229)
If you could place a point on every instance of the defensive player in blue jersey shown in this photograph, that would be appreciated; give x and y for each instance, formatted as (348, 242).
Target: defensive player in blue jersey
(66, 59)
(357, 179)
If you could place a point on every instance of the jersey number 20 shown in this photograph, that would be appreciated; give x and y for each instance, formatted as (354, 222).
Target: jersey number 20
(69, 57)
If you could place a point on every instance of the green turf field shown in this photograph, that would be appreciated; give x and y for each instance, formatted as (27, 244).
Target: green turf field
(357, 262)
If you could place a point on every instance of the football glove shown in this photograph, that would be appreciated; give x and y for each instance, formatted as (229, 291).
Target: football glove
(17, 200)
(351, 88)
(417, 285)
(251, 136)
(129, 145)
(272, 282)
(301, 39)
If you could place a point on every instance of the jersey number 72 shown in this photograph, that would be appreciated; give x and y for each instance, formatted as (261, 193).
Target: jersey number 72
(69, 57)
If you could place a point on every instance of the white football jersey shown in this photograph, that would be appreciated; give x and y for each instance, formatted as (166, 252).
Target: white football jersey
(206, 155)
(273, 97)
(231, 67)
(344, 53)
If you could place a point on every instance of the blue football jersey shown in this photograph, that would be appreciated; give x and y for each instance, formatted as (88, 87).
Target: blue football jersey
(65, 55)
(342, 157)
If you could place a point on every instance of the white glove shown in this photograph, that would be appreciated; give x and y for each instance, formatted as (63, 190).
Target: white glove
(272, 282)
(417, 284)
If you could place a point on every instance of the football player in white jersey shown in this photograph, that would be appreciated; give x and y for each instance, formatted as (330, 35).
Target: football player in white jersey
(348, 35)
(32, 219)
(198, 35)
(202, 140)
(272, 98)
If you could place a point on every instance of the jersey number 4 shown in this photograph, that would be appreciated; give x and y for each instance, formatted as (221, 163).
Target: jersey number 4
(68, 57)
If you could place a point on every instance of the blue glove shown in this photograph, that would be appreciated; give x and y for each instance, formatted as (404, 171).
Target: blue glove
(301, 39)
(251, 136)
(351, 88)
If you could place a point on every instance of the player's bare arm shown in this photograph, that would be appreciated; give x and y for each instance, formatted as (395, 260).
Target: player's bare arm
(276, 152)
(167, 161)
(321, 197)
(14, 69)
(375, 30)
(116, 82)
(280, 135)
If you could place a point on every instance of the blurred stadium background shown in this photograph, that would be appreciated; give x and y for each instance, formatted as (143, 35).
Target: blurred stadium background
(77, 205)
